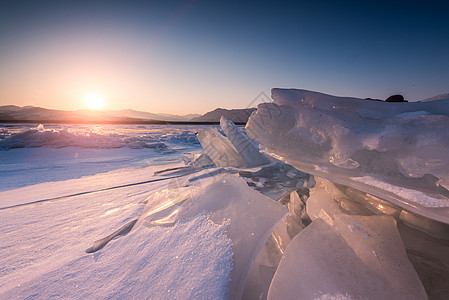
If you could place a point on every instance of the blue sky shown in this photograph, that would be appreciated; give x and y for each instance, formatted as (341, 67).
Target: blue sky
(193, 56)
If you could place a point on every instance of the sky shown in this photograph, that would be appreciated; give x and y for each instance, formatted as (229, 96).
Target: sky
(184, 57)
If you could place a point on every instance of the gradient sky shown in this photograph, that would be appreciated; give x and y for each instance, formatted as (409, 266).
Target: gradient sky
(193, 56)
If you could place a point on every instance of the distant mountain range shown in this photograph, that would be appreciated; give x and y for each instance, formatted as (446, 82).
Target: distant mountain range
(13, 113)
(28, 113)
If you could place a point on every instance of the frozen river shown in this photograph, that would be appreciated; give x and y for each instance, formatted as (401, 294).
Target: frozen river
(33, 153)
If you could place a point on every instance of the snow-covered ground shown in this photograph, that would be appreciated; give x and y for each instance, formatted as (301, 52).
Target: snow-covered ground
(43, 247)
(148, 212)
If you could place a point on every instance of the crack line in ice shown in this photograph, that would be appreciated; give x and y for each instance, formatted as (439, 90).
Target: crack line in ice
(91, 192)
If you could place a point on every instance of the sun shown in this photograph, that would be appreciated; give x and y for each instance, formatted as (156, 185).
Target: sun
(94, 101)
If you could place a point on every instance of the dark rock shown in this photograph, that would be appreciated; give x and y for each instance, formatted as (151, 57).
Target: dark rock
(396, 98)
(373, 99)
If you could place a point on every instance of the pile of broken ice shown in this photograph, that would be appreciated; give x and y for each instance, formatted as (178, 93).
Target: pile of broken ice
(350, 203)
(380, 207)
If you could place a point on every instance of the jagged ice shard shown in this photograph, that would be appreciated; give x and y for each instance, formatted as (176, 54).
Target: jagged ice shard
(396, 151)
(219, 148)
(246, 147)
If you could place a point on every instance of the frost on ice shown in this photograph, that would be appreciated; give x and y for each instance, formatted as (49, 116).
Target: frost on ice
(362, 143)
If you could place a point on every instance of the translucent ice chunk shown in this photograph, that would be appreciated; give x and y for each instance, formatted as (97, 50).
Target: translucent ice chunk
(295, 221)
(434, 228)
(372, 203)
(376, 242)
(201, 160)
(363, 144)
(321, 203)
(219, 149)
(262, 271)
(429, 257)
(319, 262)
(246, 147)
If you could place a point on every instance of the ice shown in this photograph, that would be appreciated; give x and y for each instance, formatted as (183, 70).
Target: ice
(276, 179)
(229, 199)
(368, 224)
(95, 136)
(52, 191)
(268, 259)
(57, 152)
(366, 204)
(271, 177)
(412, 195)
(201, 160)
(322, 204)
(428, 255)
(262, 271)
(433, 228)
(219, 148)
(235, 150)
(371, 146)
(246, 147)
(249, 217)
(319, 262)
(377, 243)
(413, 114)
(297, 218)
(322, 261)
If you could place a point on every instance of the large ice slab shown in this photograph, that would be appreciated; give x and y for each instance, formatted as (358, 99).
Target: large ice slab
(250, 217)
(396, 151)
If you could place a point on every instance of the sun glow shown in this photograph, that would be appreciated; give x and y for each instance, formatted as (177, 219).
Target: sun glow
(94, 101)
